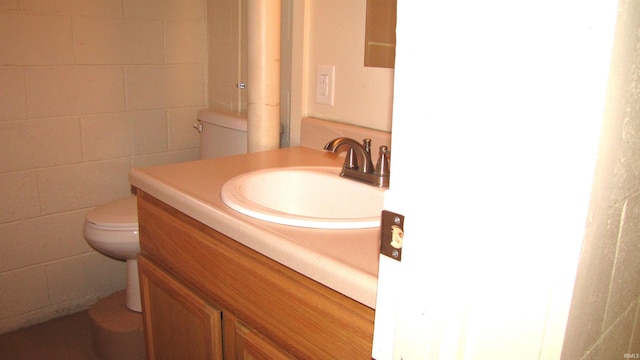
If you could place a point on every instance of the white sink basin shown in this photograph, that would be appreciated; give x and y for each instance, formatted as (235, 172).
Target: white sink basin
(307, 196)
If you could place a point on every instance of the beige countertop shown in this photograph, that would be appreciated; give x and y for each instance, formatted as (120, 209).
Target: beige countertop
(344, 260)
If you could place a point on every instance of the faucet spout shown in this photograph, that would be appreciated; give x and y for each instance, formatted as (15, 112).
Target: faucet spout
(358, 165)
(363, 158)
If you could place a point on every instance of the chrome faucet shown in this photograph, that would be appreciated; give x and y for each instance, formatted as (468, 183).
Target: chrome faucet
(357, 163)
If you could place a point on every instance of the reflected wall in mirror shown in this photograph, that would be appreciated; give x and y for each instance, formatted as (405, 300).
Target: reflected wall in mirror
(380, 34)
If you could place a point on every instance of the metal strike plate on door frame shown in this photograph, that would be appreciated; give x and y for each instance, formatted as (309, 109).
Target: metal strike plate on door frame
(391, 234)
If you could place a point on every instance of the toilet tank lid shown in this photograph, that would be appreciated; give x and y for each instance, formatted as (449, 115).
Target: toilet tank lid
(231, 120)
(120, 213)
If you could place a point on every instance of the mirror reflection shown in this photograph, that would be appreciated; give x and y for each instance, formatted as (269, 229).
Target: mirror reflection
(380, 34)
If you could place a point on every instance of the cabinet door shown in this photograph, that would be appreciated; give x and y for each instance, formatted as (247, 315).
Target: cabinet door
(178, 324)
(244, 343)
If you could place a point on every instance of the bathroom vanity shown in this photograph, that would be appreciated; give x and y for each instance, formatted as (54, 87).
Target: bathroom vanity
(216, 283)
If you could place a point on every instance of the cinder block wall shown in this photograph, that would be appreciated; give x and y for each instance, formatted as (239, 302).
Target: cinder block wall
(604, 322)
(88, 90)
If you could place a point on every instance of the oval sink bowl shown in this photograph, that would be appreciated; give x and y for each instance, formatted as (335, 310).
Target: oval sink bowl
(306, 196)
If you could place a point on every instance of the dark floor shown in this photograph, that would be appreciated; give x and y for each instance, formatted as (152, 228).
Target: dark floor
(67, 338)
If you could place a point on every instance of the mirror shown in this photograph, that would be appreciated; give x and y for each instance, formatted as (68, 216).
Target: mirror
(380, 34)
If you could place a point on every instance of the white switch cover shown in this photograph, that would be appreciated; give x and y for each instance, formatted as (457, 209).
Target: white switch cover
(325, 84)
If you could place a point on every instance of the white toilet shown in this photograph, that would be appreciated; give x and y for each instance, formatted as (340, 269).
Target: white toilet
(112, 228)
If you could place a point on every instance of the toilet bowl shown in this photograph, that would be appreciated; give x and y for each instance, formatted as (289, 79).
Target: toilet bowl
(112, 229)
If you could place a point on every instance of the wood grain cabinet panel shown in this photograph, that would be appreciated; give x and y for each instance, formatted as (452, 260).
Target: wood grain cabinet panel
(178, 324)
(268, 310)
(244, 343)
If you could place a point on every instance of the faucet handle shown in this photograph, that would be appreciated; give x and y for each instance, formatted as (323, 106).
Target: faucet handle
(382, 167)
(366, 144)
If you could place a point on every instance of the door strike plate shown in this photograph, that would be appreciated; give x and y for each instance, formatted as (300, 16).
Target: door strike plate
(392, 233)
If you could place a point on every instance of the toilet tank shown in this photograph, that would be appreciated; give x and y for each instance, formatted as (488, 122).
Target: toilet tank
(222, 133)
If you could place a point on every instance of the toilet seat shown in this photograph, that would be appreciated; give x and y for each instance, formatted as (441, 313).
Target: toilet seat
(112, 229)
(119, 215)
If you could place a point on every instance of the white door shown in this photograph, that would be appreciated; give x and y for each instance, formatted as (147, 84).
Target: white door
(497, 108)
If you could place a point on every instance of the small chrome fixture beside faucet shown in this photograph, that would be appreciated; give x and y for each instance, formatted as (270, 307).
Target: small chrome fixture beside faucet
(357, 163)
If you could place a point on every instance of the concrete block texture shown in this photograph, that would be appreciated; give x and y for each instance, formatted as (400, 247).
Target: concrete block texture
(88, 90)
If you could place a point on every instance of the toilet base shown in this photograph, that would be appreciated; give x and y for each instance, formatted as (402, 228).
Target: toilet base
(116, 331)
(133, 286)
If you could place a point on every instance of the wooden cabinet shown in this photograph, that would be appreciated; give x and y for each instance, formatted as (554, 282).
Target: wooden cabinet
(243, 342)
(178, 323)
(206, 296)
(181, 325)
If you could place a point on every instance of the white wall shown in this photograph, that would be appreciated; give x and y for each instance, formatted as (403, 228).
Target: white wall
(336, 37)
(331, 32)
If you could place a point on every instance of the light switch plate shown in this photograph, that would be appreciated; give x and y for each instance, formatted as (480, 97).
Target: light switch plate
(325, 84)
